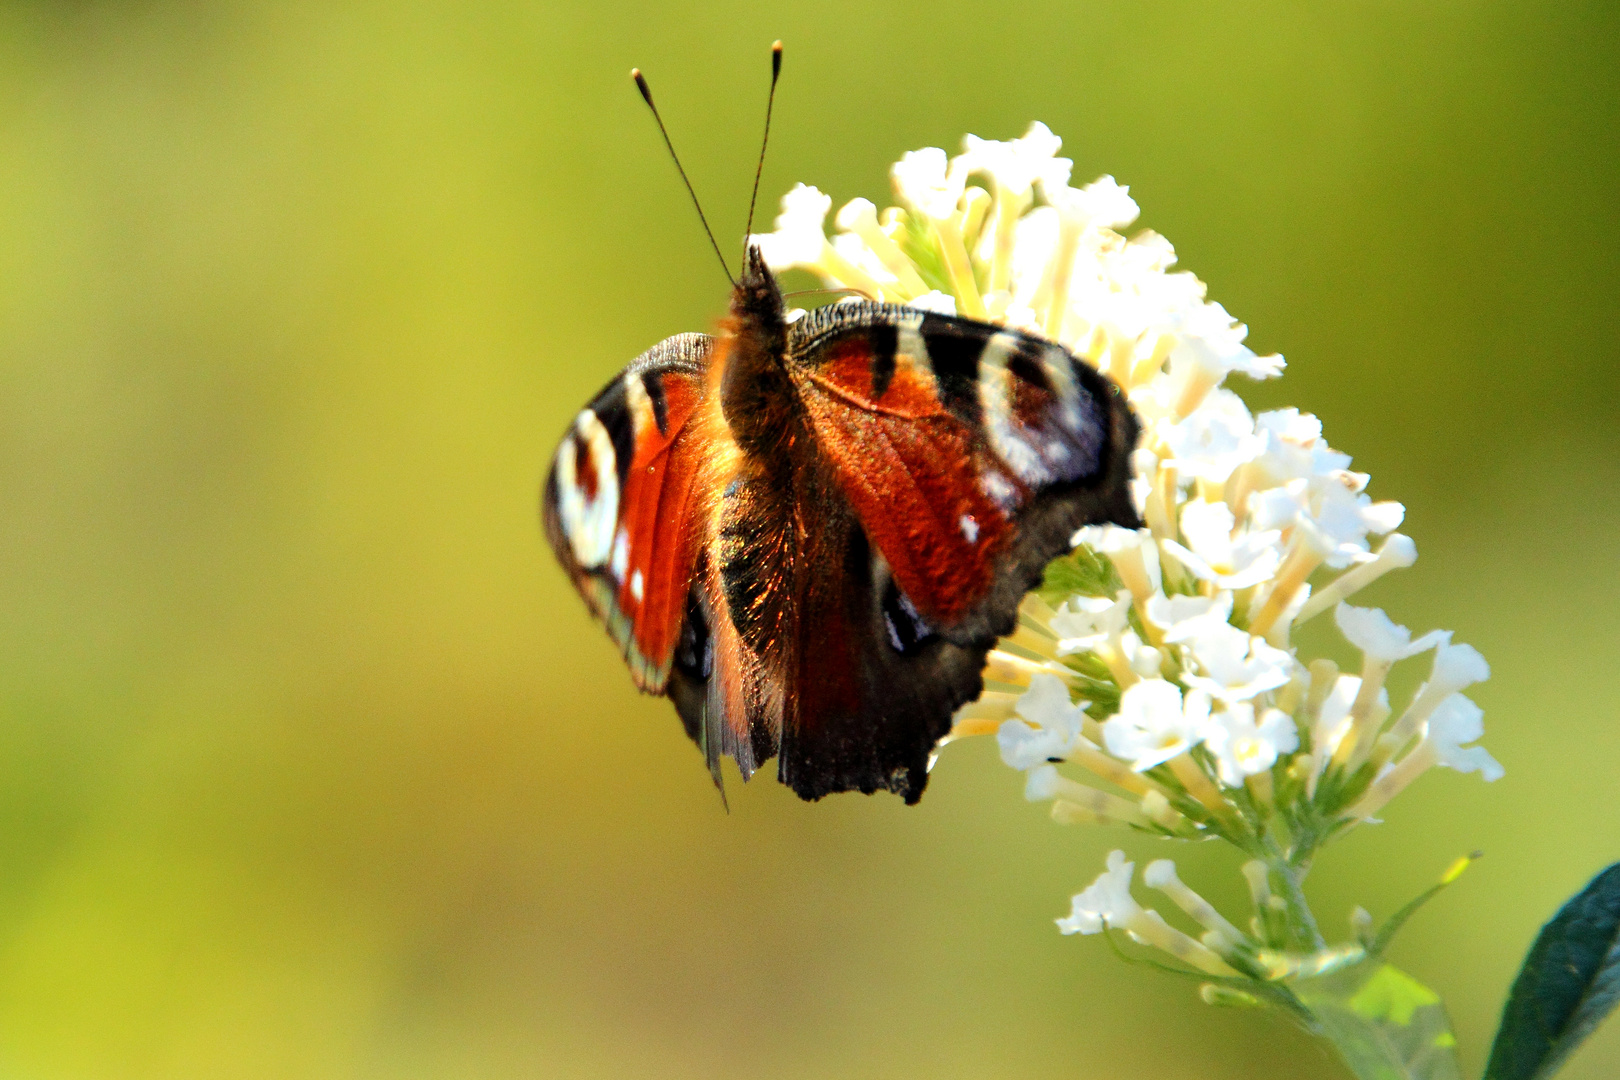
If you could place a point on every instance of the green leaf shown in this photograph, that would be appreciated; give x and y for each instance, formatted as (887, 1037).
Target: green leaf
(1388, 931)
(1392, 996)
(1384, 1023)
(1569, 983)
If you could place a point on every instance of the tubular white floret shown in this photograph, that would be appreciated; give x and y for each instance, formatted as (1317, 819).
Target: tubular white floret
(1396, 553)
(1161, 875)
(1075, 803)
(1382, 643)
(1108, 904)
(1455, 721)
(1456, 667)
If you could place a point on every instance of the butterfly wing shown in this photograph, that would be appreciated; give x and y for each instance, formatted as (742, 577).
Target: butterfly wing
(953, 460)
(870, 685)
(622, 504)
(630, 509)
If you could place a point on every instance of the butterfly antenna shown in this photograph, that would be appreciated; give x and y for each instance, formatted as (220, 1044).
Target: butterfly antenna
(770, 101)
(646, 95)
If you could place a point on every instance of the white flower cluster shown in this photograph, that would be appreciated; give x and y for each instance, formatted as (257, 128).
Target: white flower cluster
(1160, 660)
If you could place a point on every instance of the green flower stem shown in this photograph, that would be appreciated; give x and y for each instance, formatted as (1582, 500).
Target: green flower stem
(1292, 878)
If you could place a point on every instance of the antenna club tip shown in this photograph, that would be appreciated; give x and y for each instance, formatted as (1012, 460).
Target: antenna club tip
(641, 84)
(776, 46)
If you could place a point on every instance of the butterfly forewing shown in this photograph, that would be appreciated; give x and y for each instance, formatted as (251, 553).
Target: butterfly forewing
(950, 437)
(622, 505)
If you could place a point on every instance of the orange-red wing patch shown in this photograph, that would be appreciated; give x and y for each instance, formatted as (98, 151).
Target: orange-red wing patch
(924, 493)
(877, 379)
(662, 528)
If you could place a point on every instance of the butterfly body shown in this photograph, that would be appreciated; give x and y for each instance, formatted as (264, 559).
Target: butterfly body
(809, 535)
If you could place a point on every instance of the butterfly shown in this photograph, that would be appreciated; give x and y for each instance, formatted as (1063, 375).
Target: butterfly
(809, 534)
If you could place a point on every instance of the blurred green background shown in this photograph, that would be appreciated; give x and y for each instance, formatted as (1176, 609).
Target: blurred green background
(311, 765)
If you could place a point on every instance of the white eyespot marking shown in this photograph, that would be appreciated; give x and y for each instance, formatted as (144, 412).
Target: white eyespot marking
(996, 404)
(621, 555)
(636, 586)
(905, 625)
(589, 512)
(894, 635)
(999, 490)
(1055, 362)
(1080, 412)
(640, 405)
(911, 351)
(970, 528)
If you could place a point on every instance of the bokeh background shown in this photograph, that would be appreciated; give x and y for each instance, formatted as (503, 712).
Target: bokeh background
(312, 766)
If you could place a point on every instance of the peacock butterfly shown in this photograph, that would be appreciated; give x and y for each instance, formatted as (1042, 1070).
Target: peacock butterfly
(809, 534)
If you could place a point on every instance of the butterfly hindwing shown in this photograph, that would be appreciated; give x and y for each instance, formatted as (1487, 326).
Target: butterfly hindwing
(871, 684)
